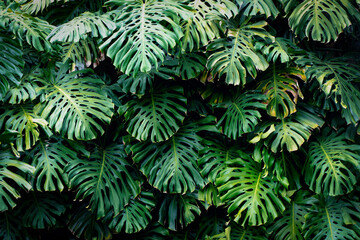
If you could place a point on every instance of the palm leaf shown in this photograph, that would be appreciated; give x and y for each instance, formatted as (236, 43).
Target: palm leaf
(11, 63)
(321, 20)
(328, 164)
(254, 7)
(290, 133)
(23, 119)
(281, 86)
(142, 39)
(81, 27)
(135, 216)
(178, 211)
(9, 178)
(21, 24)
(40, 210)
(326, 221)
(236, 55)
(256, 198)
(49, 159)
(105, 179)
(171, 166)
(72, 104)
(156, 115)
(241, 114)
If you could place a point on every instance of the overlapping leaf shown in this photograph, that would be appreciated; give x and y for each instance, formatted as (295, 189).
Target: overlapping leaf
(9, 176)
(21, 24)
(158, 114)
(26, 122)
(241, 114)
(136, 215)
(49, 160)
(171, 166)
(142, 38)
(328, 164)
(254, 7)
(81, 51)
(74, 105)
(281, 86)
(254, 197)
(105, 179)
(280, 48)
(11, 63)
(235, 56)
(36, 6)
(321, 20)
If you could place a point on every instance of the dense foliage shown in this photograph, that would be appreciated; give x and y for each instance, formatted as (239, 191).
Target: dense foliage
(191, 119)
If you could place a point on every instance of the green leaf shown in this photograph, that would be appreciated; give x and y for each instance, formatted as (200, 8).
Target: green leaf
(329, 161)
(171, 166)
(81, 27)
(83, 223)
(321, 20)
(290, 133)
(145, 31)
(326, 222)
(178, 211)
(281, 86)
(135, 216)
(241, 114)
(255, 197)
(11, 226)
(289, 226)
(11, 63)
(216, 152)
(40, 210)
(254, 7)
(26, 122)
(21, 24)
(210, 196)
(280, 49)
(155, 231)
(247, 233)
(200, 27)
(49, 159)
(81, 51)
(9, 178)
(73, 104)
(157, 115)
(336, 77)
(36, 6)
(105, 178)
(235, 56)
(26, 90)
(211, 222)
(191, 65)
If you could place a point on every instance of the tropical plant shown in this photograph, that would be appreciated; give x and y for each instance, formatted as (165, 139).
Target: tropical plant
(189, 119)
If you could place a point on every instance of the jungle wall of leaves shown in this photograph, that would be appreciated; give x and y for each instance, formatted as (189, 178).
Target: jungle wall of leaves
(191, 119)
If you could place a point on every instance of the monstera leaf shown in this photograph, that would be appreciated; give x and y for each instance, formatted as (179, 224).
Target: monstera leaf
(321, 20)
(171, 166)
(254, 7)
(178, 211)
(36, 6)
(105, 178)
(9, 178)
(156, 115)
(201, 26)
(255, 197)
(247, 233)
(82, 26)
(336, 77)
(11, 226)
(241, 114)
(142, 38)
(280, 48)
(216, 152)
(136, 215)
(26, 90)
(26, 122)
(83, 223)
(11, 63)
(40, 210)
(49, 159)
(329, 159)
(281, 86)
(21, 24)
(326, 220)
(73, 104)
(83, 50)
(290, 133)
(211, 222)
(236, 55)
(210, 196)
(191, 65)
(289, 225)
